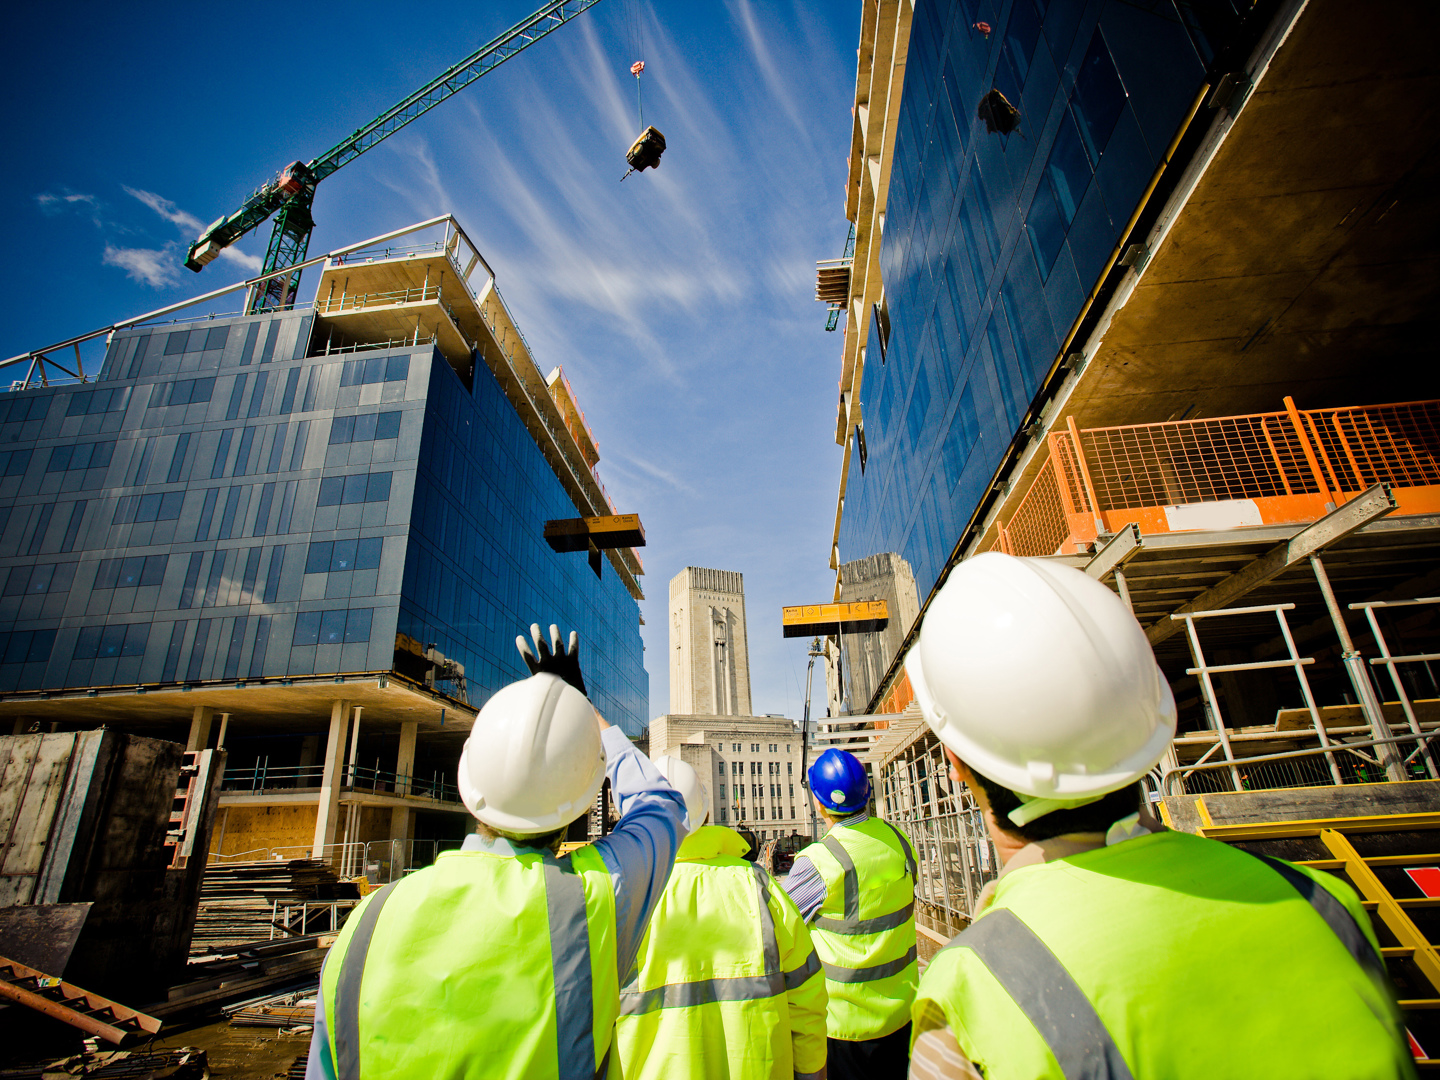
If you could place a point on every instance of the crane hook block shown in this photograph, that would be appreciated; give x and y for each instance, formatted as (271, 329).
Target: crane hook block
(645, 152)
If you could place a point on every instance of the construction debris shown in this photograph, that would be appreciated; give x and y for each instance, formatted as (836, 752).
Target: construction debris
(265, 967)
(291, 1009)
(72, 1005)
(186, 1063)
(238, 901)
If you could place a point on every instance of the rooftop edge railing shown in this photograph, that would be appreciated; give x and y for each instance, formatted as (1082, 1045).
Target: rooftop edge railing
(1285, 467)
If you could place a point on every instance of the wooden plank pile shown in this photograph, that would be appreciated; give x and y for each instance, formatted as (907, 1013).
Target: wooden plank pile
(236, 899)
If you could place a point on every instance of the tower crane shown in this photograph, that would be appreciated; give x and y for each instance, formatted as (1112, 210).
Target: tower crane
(291, 194)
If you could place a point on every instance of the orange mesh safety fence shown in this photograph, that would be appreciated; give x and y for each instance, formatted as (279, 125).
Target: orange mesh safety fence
(1039, 526)
(1393, 444)
(1260, 456)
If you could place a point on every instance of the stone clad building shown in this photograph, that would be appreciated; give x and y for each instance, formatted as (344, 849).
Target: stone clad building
(751, 765)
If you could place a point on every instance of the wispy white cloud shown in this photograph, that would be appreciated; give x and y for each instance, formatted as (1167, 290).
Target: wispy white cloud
(166, 209)
(190, 226)
(52, 203)
(156, 268)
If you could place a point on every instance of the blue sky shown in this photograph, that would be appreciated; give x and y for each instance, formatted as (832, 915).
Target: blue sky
(679, 302)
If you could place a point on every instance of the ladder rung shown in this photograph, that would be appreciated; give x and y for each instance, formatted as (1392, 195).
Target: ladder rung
(1398, 950)
(1419, 1003)
(1322, 864)
(1404, 860)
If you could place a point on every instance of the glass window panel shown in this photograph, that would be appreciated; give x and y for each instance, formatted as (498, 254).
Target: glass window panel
(109, 574)
(1068, 169)
(367, 555)
(136, 637)
(357, 625)
(1099, 98)
(17, 646)
(87, 643)
(364, 426)
(262, 642)
(350, 373)
(342, 430)
(331, 488)
(64, 577)
(317, 559)
(343, 555)
(332, 627)
(237, 395)
(18, 581)
(18, 462)
(387, 426)
(201, 389)
(272, 575)
(112, 639)
(175, 342)
(81, 458)
(374, 370)
(192, 580)
(60, 459)
(222, 453)
(307, 628)
(354, 490)
(154, 572)
(130, 572)
(40, 646)
(170, 504)
(216, 337)
(177, 461)
(147, 507)
(378, 487)
(397, 368)
(1045, 228)
(40, 578)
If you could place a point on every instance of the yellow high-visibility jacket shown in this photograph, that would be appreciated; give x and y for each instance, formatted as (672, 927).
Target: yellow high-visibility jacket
(727, 983)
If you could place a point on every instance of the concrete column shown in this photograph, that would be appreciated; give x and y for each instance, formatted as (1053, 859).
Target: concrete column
(405, 760)
(327, 814)
(200, 728)
(224, 724)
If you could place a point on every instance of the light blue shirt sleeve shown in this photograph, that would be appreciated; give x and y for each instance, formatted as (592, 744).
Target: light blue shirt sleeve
(639, 855)
(641, 851)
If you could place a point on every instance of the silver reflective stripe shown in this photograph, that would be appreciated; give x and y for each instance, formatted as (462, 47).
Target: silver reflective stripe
(1047, 994)
(852, 883)
(346, 1020)
(892, 921)
(701, 992)
(869, 974)
(1342, 924)
(570, 954)
(801, 975)
(686, 995)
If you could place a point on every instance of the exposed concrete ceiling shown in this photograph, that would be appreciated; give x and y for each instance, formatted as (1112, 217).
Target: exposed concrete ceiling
(1305, 261)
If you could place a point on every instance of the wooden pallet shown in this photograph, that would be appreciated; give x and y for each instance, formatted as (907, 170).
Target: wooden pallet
(79, 1008)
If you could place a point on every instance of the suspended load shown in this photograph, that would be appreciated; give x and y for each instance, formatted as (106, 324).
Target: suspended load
(644, 152)
(997, 113)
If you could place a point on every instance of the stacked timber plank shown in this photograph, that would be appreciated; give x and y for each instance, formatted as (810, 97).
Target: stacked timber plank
(237, 899)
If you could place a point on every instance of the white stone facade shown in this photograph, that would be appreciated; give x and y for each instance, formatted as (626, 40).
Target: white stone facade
(709, 656)
(751, 767)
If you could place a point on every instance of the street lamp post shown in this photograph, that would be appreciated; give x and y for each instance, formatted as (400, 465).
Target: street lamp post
(815, 651)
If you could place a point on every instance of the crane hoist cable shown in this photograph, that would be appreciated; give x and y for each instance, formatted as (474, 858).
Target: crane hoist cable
(645, 151)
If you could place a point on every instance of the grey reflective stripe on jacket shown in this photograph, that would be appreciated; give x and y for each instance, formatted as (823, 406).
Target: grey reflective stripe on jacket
(569, 945)
(851, 923)
(634, 1002)
(1051, 999)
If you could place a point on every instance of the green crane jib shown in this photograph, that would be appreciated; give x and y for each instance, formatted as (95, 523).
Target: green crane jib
(291, 194)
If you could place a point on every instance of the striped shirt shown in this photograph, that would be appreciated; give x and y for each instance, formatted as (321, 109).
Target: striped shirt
(804, 883)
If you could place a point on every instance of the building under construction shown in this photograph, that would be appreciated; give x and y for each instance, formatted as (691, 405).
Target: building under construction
(1151, 290)
(306, 536)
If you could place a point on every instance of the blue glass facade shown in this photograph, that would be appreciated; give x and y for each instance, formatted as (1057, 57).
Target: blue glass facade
(221, 506)
(992, 241)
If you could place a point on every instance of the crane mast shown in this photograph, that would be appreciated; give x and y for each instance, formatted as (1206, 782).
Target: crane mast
(290, 195)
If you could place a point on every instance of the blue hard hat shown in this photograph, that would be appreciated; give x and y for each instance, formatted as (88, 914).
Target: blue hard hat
(839, 781)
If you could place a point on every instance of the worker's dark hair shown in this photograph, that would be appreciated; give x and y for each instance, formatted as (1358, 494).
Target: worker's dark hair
(1093, 817)
(544, 840)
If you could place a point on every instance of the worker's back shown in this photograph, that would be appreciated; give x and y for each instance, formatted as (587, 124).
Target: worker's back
(727, 983)
(1199, 960)
(865, 932)
(483, 964)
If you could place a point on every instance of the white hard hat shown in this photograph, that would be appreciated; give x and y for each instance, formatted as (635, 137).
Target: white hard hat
(684, 779)
(533, 761)
(1038, 677)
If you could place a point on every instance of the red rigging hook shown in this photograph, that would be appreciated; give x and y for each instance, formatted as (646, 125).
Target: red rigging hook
(637, 67)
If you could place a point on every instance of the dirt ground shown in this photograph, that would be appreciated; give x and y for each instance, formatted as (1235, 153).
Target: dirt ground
(235, 1053)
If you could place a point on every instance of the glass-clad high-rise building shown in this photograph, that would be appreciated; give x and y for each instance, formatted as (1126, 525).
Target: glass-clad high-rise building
(1000, 150)
(350, 494)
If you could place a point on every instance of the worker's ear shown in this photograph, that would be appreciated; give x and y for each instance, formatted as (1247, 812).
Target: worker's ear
(960, 774)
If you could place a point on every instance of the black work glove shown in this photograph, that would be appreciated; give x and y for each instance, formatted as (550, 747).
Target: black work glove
(551, 658)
